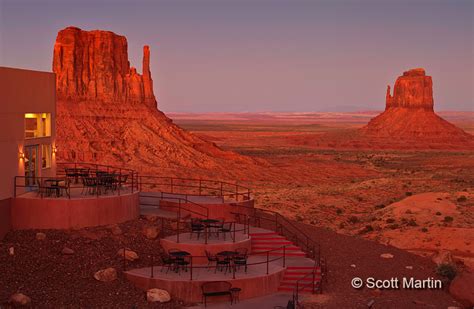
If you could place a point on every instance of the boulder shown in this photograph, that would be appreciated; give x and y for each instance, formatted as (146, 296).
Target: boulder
(151, 218)
(157, 295)
(106, 275)
(386, 256)
(151, 232)
(40, 236)
(462, 288)
(11, 251)
(19, 299)
(67, 251)
(129, 254)
(443, 257)
(116, 230)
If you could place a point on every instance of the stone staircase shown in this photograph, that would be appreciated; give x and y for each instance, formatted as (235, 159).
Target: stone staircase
(302, 273)
(265, 241)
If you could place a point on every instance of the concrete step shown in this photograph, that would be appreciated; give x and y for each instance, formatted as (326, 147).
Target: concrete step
(266, 248)
(276, 242)
(276, 253)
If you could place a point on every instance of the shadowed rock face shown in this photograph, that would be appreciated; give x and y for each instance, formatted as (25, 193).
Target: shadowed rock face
(409, 114)
(93, 65)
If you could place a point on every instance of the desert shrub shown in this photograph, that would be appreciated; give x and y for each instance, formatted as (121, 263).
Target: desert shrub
(379, 206)
(448, 219)
(408, 193)
(390, 220)
(342, 225)
(412, 222)
(424, 230)
(353, 219)
(393, 226)
(438, 213)
(408, 211)
(462, 198)
(299, 218)
(447, 271)
(339, 211)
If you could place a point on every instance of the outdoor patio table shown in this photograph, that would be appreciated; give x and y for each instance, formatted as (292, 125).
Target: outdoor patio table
(54, 185)
(229, 254)
(179, 254)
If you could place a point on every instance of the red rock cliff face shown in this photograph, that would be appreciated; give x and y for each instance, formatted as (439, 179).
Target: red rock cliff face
(106, 113)
(412, 90)
(93, 65)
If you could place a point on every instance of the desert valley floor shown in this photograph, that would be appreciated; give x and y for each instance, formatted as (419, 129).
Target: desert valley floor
(419, 200)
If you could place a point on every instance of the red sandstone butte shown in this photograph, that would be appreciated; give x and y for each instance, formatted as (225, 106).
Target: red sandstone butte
(93, 65)
(409, 113)
(107, 111)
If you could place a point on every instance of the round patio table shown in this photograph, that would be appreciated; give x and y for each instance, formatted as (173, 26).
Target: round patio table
(179, 254)
(227, 253)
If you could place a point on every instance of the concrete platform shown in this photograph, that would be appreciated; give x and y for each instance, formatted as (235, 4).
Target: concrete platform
(254, 283)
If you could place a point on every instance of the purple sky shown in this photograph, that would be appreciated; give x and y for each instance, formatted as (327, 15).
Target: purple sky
(265, 55)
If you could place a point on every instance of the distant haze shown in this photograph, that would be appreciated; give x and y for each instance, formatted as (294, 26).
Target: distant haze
(235, 56)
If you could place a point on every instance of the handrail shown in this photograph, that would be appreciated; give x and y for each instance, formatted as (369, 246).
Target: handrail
(300, 287)
(220, 188)
(191, 266)
(278, 220)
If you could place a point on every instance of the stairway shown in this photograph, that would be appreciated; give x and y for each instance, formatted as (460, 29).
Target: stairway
(295, 273)
(262, 242)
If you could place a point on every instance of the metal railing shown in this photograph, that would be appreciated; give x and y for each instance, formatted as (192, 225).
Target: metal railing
(192, 266)
(117, 181)
(314, 284)
(280, 224)
(196, 187)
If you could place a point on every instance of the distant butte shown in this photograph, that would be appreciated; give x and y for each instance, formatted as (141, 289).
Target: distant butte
(409, 113)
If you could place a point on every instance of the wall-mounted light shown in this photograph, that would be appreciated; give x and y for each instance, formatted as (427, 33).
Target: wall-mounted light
(21, 155)
(55, 149)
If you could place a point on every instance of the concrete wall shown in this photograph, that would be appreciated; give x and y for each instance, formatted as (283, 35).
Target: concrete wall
(50, 213)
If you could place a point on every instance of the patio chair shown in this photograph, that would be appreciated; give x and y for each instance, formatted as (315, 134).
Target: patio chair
(182, 263)
(241, 258)
(90, 185)
(222, 263)
(167, 261)
(226, 228)
(42, 190)
(196, 227)
(211, 259)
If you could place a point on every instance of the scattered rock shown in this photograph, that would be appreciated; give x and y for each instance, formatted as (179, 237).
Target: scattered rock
(106, 275)
(157, 295)
(409, 267)
(443, 257)
(151, 218)
(151, 232)
(386, 256)
(353, 265)
(20, 299)
(67, 251)
(129, 254)
(116, 230)
(462, 288)
(40, 236)
(11, 251)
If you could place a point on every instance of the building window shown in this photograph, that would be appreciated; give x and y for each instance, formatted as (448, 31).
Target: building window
(46, 156)
(37, 125)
